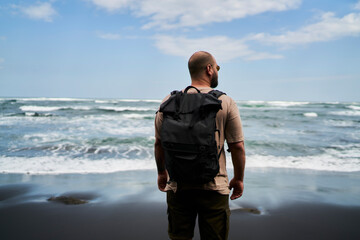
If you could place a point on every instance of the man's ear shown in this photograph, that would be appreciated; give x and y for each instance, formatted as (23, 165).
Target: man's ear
(209, 70)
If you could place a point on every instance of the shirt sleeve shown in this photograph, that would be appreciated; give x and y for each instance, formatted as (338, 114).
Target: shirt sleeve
(159, 120)
(158, 123)
(233, 126)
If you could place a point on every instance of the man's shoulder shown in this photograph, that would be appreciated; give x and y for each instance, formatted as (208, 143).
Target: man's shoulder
(166, 98)
(224, 97)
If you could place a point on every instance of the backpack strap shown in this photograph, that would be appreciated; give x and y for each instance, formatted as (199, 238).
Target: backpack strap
(188, 87)
(177, 103)
(216, 93)
(222, 149)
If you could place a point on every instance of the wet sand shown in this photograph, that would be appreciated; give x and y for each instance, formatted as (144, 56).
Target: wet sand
(140, 219)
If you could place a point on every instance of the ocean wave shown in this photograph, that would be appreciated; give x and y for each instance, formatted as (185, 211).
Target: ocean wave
(27, 114)
(310, 114)
(77, 146)
(125, 130)
(323, 162)
(35, 114)
(52, 109)
(66, 165)
(46, 137)
(139, 116)
(124, 149)
(106, 101)
(251, 104)
(345, 113)
(128, 100)
(4, 101)
(141, 100)
(286, 103)
(123, 109)
(344, 151)
(114, 141)
(39, 109)
(55, 99)
(339, 123)
(354, 107)
(260, 104)
(33, 108)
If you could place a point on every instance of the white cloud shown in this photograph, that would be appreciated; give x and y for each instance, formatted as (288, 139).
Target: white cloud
(3, 38)
(223, 48)
(167, 14)
(41, 11)
(109, 36)
(112, 5)
(329, 28)
(357, 6)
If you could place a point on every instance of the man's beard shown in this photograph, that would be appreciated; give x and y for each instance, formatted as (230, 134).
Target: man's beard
(214, 81)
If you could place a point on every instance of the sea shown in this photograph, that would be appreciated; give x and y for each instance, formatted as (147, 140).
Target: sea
(57, 136)
(68, 135)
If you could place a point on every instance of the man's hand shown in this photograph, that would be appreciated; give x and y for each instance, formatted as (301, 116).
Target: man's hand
(162, 179)
(238, 187)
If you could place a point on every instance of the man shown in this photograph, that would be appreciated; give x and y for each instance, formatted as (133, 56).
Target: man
(210, 201)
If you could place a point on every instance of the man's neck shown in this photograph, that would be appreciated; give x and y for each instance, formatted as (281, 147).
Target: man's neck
(200, 84)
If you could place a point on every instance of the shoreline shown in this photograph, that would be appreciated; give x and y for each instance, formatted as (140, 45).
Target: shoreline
(264, 187)
(277, 204)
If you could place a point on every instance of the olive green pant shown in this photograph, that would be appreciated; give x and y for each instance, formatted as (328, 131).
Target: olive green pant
(211, 208)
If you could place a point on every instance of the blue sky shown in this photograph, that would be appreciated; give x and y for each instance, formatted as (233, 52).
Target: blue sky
(293, 50)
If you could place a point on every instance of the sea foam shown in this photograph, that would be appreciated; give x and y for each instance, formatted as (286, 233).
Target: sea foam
(51, 109)
(66, 165)
(310, 114)
(323, 162)
(346, 113)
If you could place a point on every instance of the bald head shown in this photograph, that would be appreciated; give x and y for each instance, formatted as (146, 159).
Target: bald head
(197, 63)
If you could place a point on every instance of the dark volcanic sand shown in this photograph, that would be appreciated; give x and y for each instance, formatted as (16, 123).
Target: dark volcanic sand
(144, 220)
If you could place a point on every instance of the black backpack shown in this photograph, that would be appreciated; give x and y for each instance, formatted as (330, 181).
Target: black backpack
(188, 134)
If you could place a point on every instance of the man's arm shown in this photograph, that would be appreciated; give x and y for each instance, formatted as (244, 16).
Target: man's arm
(238, 158)
(160, 164)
